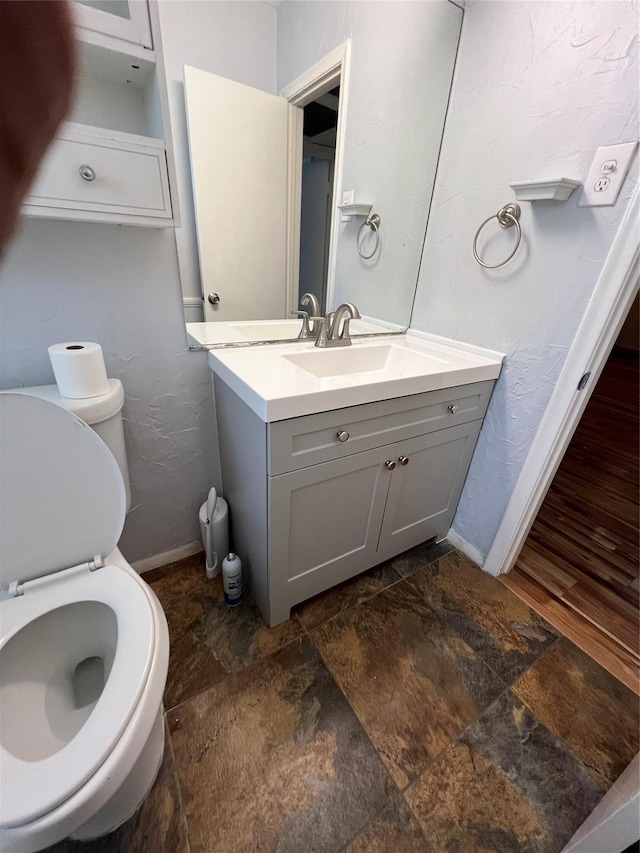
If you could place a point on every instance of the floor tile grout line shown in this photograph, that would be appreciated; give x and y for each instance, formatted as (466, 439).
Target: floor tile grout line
(451, 743)
(365, 732)
(174, 708)
(507, 687)
(418, 821)
(378, 592)
(352, 607)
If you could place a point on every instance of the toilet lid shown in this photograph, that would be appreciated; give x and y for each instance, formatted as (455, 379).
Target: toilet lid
(62, 497)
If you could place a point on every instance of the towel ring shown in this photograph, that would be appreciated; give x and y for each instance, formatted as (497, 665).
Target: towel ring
(507, 216)
(373, 222)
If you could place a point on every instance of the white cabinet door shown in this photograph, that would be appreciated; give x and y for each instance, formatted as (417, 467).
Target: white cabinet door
(127, 20)
(238, 148)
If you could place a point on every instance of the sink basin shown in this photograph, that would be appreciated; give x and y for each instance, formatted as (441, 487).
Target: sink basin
(350, 361)
(291, 380)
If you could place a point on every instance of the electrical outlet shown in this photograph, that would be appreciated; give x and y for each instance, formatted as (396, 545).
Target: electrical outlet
(601, 185)
(606, 175)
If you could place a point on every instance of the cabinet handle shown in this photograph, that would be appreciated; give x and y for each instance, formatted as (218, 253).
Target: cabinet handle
(403, 460)
(343, 436)
(213, 299)
(87, 172)
(452, 408)
(389, 464)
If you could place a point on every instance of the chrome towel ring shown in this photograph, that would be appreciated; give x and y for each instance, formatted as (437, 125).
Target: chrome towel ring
(507, 216)
(372, 222)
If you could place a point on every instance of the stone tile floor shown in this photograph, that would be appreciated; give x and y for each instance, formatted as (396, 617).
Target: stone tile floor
(420, 707)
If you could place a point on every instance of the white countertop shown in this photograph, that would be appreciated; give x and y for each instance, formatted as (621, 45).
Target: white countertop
(220, 334)
(276, 388)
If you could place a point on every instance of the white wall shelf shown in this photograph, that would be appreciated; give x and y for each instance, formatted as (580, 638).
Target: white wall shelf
(348, 211)
(551, 189)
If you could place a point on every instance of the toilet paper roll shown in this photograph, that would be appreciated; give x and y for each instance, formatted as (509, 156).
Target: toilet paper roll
(79, 369)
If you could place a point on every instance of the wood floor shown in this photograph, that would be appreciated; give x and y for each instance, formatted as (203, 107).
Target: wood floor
(579, 566)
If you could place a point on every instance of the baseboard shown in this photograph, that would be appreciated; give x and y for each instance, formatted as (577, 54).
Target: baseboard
(167, 557)
(467, 549)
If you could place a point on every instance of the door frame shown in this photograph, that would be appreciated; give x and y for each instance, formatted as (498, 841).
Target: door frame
(607, 310)
(317, 80)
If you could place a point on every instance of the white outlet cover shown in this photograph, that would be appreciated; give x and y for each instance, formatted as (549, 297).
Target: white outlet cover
(601, 169)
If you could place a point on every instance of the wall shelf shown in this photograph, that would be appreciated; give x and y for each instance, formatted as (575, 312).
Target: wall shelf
(348, 211)
(552, 189)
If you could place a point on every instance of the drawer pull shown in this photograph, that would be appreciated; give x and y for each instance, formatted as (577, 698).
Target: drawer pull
(389, 464)
(343, 436)
(452, 408)
(403, 460)
(87, 172)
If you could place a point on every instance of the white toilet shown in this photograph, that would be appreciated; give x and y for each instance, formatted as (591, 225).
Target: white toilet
(84, 644)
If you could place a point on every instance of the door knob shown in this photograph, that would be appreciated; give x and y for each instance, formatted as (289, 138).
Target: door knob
(452, 408)
(389, 464)
(403, 460)
(213, 299)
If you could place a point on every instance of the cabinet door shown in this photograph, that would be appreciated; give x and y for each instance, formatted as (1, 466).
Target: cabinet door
(127, 20)
(424, 492)
(324, 525)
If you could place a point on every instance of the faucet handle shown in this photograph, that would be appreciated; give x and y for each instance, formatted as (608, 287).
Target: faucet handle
(320, 323)
(305, 331)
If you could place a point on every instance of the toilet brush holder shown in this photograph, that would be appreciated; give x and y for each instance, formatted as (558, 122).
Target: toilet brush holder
(215, 532)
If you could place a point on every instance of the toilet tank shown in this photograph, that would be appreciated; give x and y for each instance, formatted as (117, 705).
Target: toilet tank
(103, 414)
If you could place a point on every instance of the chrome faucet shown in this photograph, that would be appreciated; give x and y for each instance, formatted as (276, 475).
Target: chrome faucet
(309, 300)
(331, 335)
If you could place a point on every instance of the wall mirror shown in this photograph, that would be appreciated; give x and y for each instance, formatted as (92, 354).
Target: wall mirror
(285, 186)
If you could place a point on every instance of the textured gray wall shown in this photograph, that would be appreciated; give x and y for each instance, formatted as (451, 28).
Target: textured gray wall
(119, 286)
(538, 87)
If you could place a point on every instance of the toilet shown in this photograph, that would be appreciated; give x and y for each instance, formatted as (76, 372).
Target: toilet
(84, 644)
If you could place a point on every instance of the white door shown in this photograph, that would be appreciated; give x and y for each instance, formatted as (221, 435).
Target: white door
(238, 148)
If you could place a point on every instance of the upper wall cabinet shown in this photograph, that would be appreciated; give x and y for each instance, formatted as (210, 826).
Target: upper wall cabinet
(113, 161)
(126, 20)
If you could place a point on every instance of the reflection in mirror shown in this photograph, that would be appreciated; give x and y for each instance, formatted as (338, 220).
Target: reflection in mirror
(111, 7)
(320, 124)
(272, 174)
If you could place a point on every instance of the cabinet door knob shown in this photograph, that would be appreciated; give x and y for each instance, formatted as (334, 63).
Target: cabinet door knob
(403, 460)
(343, 436)
(452, 408)
(213, 299)
(389, 464)
(87, 172)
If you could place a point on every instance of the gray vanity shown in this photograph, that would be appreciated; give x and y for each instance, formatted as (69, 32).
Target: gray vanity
(319, 497)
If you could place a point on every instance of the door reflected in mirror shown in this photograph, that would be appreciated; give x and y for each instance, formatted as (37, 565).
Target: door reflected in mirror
(320, 125)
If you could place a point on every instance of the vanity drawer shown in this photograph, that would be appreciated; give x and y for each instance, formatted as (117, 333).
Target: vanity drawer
(309, 440)
(123, 178)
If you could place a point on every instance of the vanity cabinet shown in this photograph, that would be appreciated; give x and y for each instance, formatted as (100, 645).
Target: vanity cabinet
(317, 499)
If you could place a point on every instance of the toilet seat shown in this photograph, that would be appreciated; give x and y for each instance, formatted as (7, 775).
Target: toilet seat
(62, 496)
(49, 782)
(62, 502)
